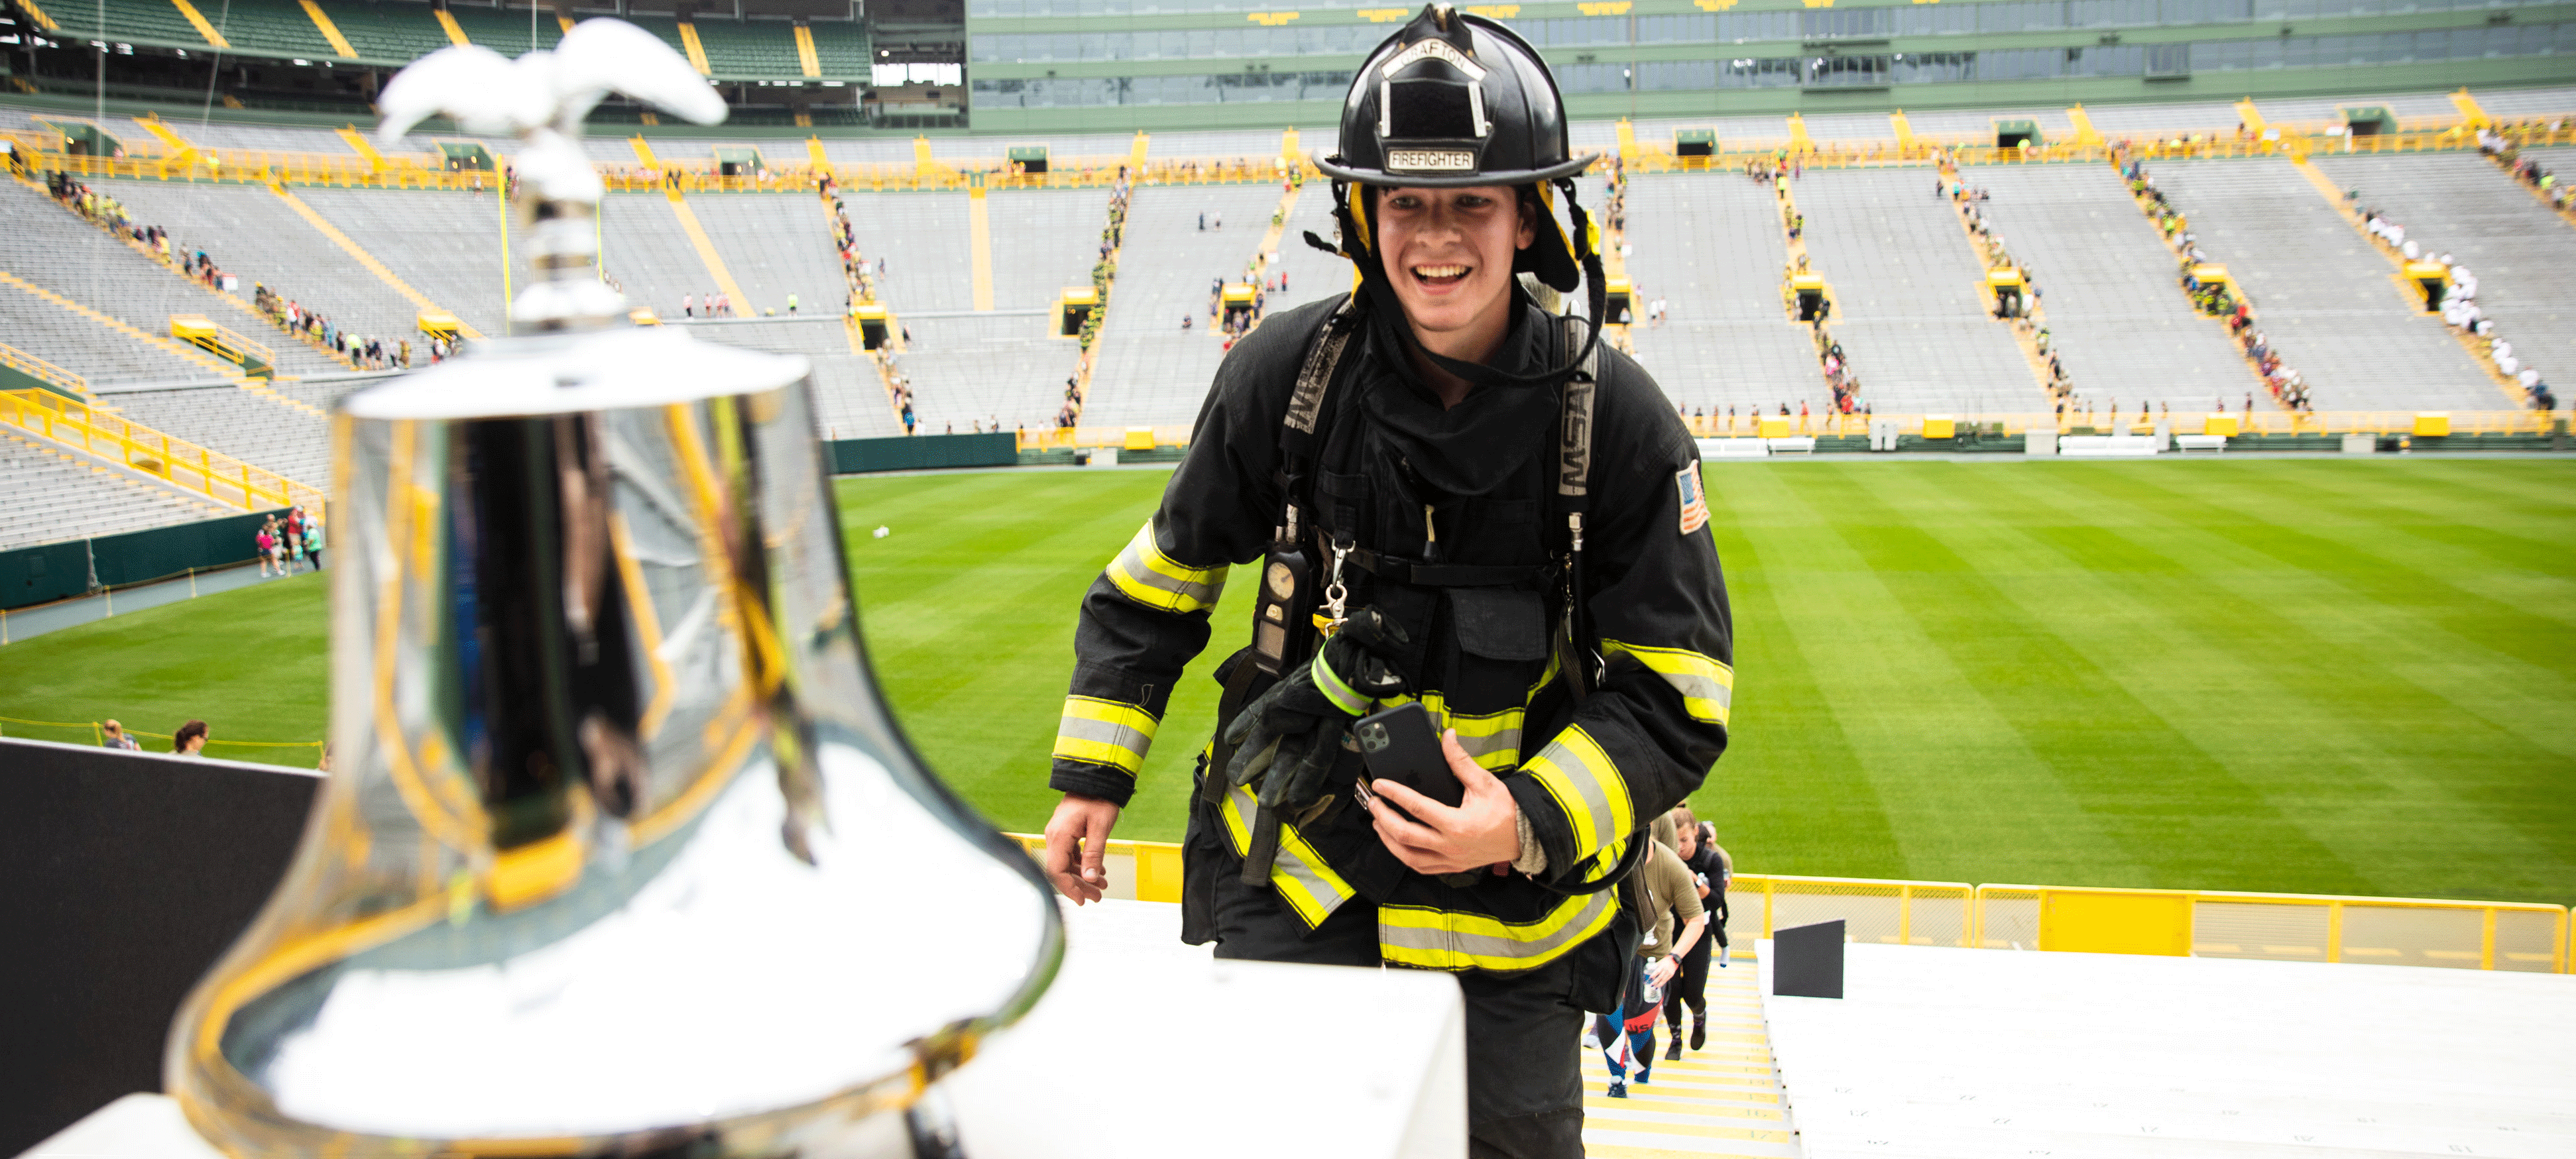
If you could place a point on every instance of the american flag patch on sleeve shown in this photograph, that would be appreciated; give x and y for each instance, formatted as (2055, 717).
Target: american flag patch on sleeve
(1694, 499)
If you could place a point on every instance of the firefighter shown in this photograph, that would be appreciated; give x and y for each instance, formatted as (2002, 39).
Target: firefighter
(1455, 497)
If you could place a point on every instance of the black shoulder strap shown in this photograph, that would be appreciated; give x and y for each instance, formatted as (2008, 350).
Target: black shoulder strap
(1574, 652)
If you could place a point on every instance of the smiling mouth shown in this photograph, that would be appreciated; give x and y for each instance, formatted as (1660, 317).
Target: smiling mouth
(1440, 276)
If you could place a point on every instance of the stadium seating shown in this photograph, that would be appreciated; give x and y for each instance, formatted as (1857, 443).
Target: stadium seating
(262, 432)
(54, 249)
(504, 31)
(841, 47)
(1312, 273)
(150, 21)
(1712, 249)
(923, 238)
(2327, 301)
(445, 244)
(78, 343)
(1909, 306)
(1004, 368)
(273, 26)
(56, 495)
(1148, 370)
(2120, 322)
(756, 48)
(390, 31)
(645, 253)
(774, 245)
(2463, 204)
(253, 234)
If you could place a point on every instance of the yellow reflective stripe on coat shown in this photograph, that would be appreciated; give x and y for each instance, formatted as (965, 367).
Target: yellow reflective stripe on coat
(1104, 732)
(1437, 939)
(1149, 577)
(1707, 687)
(1584, 782)
(1298, 874)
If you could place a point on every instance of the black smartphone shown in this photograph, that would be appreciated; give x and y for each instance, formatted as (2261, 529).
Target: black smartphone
(1400, 745)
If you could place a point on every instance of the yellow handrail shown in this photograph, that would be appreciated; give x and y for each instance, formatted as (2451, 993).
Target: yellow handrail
(38, 368)
(2525, 936)
(2269, 422)
(699, 175)
(219, 477)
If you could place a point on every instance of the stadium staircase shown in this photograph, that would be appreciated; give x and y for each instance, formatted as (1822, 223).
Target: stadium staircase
(1911, 299)
(2322, 291)
(1149, 371)
(1002, 367)
(2519, 250)
(2120, 327)
(1713, 249)
(767, 248)
(1722, 1101)
(1992, 254)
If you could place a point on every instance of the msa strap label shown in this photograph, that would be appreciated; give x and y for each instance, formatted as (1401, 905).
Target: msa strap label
(1431, 160)
(1694, 499)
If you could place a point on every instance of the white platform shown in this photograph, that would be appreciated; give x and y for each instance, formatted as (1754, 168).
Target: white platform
(1951, 1054)
(1143, 1047)
(2108, 446)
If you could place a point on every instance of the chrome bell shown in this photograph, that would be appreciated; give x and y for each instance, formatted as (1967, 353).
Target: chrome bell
(621, 852)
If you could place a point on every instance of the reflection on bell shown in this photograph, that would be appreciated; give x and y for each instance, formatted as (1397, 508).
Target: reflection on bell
(621, 852)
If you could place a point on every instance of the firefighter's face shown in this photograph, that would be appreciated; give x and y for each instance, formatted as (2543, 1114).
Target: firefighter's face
(1449, 253)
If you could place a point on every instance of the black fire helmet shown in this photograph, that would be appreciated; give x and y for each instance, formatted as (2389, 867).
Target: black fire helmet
(1454, 100)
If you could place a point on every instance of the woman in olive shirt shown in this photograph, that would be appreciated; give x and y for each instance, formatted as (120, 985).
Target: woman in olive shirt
(1672, 900)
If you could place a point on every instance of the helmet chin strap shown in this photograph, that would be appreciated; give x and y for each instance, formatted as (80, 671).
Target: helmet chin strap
(1388, 309)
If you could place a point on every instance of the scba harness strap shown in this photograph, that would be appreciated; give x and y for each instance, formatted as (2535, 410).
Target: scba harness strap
(1283, 626)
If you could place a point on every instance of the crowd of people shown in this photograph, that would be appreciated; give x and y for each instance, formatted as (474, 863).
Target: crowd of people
(285, 313)
(2497, 145)
(289, 544)
(1104, 274)
(2218, 298)
(1683, 883)
(2458, 302)
(293, 317)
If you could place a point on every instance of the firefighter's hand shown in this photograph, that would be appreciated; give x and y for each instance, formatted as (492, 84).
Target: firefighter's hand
(1484, 829)
(1079, 830)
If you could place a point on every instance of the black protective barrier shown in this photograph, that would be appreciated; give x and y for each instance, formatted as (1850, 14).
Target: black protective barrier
(924, 452)
(54, 571)
(127, 876)
(1807, 961)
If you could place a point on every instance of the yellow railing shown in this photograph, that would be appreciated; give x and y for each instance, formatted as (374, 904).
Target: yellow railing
(2384, 931)
(230, 345)
(2470, 935)
(41, 370)
(1062, 438)
(427, 171)
(1138, 870)
(217, 476)
(2263, 422)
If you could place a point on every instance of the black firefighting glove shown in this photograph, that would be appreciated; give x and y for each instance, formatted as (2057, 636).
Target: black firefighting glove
(1288, 738)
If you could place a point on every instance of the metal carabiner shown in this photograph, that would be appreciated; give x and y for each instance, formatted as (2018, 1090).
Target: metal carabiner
(1334, 593)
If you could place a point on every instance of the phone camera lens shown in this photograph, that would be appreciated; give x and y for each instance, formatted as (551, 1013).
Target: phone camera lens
(1373, 737)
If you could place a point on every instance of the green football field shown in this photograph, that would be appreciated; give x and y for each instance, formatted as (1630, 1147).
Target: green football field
(2310, 675)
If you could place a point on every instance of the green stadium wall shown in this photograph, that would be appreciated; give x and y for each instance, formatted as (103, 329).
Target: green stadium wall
(56, 571)
(924, 452)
